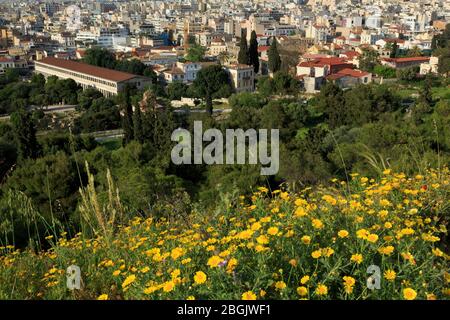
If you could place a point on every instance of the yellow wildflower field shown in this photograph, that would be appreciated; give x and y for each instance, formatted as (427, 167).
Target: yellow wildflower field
(316, 243)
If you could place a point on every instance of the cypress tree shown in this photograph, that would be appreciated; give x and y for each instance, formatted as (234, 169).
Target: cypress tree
(243, 57)
(253, 52)
(127, 120)
(137, 121)
(274, 57)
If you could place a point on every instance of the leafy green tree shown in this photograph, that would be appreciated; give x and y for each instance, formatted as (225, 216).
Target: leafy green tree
(284, 83)
(134, 66)
(100, 57)
(65, 90)
(424, 102)
(104, 58)
(245, 110)
(274, 57)
(24, 134)
(444, 60)
(51, 182)
(330, 101)
(195, 53)
(87, 96)
(407, 74)
(243, 56)
(394, 50)
(253, 52)
(68, 91)
(368, 60)
(176, 90)
(384, 71)
(10, 75)
(158, 89)
(414, 52)
(8, 157)
(38, 80)
(102, 115)
(211, 82)
(265, 86)
(435, 41)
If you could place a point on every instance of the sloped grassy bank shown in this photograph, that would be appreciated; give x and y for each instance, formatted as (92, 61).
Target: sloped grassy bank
(313, 244)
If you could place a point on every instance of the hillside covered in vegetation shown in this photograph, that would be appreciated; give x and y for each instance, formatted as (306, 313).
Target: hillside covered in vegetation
(313, 243)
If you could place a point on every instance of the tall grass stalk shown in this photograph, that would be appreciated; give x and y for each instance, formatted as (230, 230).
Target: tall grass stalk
(100, 219)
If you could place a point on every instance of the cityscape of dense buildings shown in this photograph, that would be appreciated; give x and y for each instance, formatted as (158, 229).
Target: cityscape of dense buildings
(332, 33)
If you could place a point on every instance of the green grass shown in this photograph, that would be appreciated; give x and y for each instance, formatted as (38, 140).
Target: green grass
(441, 92)
(407, 91)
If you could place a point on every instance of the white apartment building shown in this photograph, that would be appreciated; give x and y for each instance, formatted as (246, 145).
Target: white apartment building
(163, 58)
(108, 82)
(374, 21)
(190, 70)
(242, 77)
(205, 38)
(317, 32)
(217, 46)
(172, 74)
(280, 30)
(371, 38)
(104, 37)
(66, 39)
(11, 63)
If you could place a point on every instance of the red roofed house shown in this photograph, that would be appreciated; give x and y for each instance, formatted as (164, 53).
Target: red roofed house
(351, 57)
(108, 82)
(173, 74)
(406, 62)
(349, 77)
(384, 42)
(322, 67)
(340, 40)
(338, 69)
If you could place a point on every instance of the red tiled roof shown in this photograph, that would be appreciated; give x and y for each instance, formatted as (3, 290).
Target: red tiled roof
(323, 61)
(353, 73)
(351, 54)
(308, 64)
(335, 76)
(174, 70)
(108, 74)
(5, 59)
(407, 59)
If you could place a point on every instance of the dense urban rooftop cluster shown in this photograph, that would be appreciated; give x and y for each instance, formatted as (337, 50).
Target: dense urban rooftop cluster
(328, 37)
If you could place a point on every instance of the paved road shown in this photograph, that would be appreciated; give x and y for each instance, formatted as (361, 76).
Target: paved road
(58, 108)
(201, 111)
